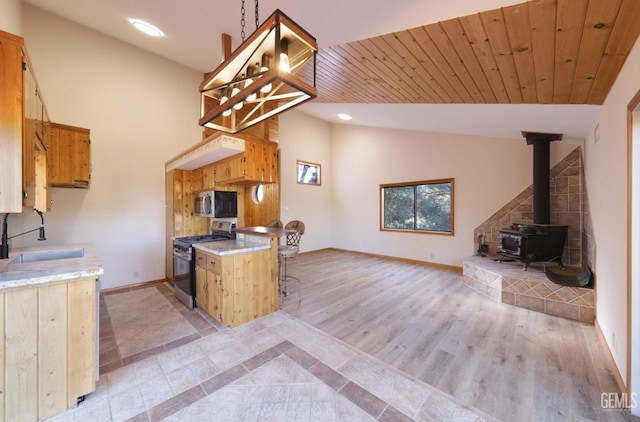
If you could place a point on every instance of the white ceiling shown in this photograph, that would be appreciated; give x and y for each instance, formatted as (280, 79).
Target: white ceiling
(193, 31)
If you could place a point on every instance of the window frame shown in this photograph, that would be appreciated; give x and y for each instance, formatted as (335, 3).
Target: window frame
(413, 184)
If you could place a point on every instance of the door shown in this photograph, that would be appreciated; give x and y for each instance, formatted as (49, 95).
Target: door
(633, 255)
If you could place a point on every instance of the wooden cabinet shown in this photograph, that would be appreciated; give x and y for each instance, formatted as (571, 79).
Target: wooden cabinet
(24, 124)
(236, 289)
(258, 164)
(48, 346)
(210, 288)
(35, 129)
(69, 156)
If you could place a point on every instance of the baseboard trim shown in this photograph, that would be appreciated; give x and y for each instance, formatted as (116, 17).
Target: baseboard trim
(131, 287)
(609, 355)
(396, 258)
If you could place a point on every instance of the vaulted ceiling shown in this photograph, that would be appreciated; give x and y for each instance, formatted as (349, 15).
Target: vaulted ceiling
(538, 52)
(505, 65)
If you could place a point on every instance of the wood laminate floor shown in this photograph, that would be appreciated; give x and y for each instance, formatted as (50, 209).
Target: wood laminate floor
(514, 364)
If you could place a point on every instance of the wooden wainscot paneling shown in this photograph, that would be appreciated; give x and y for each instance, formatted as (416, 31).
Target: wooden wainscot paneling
(262, 213)
(47, 349)
(81, 339)
(52, 373)
(21, 355)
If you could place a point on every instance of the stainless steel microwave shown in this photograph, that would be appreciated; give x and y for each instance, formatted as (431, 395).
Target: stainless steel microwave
(218, 204)
(204, 204)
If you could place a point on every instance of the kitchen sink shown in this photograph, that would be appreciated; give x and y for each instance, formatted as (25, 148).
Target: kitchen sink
(48, 255)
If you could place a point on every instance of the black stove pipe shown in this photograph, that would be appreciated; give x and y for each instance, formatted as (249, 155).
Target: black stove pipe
(541, 174)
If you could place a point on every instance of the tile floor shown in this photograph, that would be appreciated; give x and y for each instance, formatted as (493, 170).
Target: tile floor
(163, 362)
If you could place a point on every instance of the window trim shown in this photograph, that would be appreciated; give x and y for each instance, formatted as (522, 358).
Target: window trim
(421, 182)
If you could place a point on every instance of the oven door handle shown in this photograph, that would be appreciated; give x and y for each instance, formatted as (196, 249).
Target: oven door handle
(181, 255)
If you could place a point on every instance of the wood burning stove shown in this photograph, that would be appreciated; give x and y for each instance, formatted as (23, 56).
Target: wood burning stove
(533, 242)
(540, 241)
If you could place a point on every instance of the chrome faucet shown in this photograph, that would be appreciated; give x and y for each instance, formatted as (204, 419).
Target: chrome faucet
(4, 247)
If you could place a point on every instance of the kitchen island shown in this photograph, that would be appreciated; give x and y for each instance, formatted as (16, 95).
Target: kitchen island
(48, 329)
(237, 280)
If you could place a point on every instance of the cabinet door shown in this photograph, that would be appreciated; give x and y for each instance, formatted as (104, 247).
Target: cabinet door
(202, 287)
(41, 191)
(230, 170)
(237, 167)
(69, 156)
(208, 178)
(29, 138)
(215, 298)
(61, 151)
(253, 158)
(82, 158)
(220, 174)
(11, 121)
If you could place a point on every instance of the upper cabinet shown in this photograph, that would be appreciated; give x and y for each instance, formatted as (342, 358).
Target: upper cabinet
(24, 127)
(223, 159)
(69, 157)
(257, 164)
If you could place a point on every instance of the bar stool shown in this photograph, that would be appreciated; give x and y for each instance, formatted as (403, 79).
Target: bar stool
(287, 252)
(275, 224)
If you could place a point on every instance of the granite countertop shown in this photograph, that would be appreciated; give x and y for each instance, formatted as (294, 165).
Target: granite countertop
(231, 247)
(264, 231)
(56, 270)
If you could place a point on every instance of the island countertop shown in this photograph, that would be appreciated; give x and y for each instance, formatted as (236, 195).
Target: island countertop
(264, 231)
(56, 270)
(231, 247)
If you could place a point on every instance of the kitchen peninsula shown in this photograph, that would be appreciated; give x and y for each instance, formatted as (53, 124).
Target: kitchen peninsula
(237, 280)
(48, 330)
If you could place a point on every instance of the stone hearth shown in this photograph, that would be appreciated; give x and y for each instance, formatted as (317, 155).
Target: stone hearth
(508, 283)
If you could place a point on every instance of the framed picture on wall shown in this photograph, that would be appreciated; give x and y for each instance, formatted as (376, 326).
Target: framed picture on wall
(308, 173)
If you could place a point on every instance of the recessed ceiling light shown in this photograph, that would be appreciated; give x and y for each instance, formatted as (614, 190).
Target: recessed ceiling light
(344, 116)
(146, 27)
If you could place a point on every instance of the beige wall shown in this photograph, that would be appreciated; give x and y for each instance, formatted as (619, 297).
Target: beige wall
(606, 175)
(306, 138)
(142, 110)
(488, 173)
(11, 16)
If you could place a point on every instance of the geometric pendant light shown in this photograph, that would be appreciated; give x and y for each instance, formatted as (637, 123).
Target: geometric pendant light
(261, 78)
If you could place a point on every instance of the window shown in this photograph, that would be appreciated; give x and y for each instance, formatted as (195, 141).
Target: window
(425, 207)
(257, 194)
(308, 173)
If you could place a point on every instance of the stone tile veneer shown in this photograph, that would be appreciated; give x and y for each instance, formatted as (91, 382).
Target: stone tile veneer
(569, 206)
(507, 282)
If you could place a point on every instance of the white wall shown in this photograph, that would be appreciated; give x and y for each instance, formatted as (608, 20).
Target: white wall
(488, 173)
(142, 110)
(606, 176)
(11, 16)
(306, 138)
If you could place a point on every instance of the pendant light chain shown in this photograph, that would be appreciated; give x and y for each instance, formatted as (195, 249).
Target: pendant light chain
(257, 16)
(242, 22)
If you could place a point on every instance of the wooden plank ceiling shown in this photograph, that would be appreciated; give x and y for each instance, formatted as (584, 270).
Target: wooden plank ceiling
(537, 52)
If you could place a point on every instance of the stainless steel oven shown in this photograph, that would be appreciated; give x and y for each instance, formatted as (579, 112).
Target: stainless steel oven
(182, 256)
